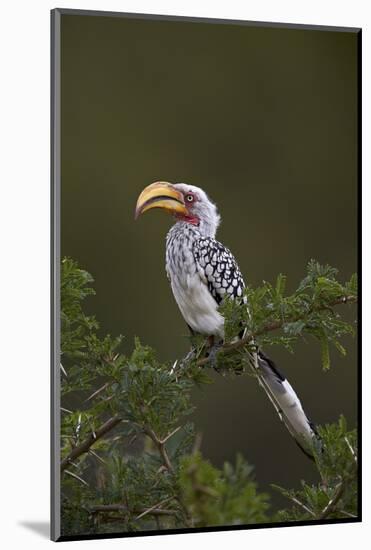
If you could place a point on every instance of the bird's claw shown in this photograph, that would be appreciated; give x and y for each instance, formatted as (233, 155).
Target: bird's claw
(212, 355)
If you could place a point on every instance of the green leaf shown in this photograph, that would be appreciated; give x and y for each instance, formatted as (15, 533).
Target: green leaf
(325, 353)
(280, 284)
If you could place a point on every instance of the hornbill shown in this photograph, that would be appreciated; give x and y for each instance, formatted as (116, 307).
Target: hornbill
(202, 272)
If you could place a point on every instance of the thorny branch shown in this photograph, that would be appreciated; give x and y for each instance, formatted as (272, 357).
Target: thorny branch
(302, 505)
(140, 512)
(89, 441)
(330, 507)
(155, 508)
(273, 325)
(160, 444)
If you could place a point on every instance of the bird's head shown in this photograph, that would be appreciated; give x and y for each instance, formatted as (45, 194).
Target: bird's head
(186, 203)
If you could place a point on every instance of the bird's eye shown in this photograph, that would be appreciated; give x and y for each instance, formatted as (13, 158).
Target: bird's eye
(189, 198)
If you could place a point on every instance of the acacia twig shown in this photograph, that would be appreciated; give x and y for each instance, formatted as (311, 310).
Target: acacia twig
(89, 441)
(273, 325)
(160, 444)
(77, 477)
(171, 434)
(331, 505)
(109, 508)
(302, 505)
(155, 507)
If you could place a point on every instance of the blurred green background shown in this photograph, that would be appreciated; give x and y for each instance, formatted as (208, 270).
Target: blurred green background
(265, 121)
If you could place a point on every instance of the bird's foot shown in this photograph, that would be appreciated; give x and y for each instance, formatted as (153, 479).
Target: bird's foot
(212, 354)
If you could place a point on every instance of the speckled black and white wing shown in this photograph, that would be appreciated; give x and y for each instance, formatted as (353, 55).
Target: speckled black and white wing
(218, 268)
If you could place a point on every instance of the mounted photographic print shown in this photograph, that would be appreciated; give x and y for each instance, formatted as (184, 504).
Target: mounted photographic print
(205, 205)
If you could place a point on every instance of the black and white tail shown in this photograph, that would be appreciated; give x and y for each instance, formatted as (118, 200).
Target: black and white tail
(286, 402)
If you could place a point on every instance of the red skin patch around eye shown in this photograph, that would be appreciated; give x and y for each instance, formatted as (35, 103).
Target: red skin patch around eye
(189, 218)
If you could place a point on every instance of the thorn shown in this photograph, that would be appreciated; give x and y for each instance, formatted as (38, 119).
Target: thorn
(77, 477)
(174, 366)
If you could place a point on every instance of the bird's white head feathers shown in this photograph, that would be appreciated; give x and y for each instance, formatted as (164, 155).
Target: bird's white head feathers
(201, 207)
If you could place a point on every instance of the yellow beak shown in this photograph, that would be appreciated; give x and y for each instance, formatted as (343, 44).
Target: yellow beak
(160, 194)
